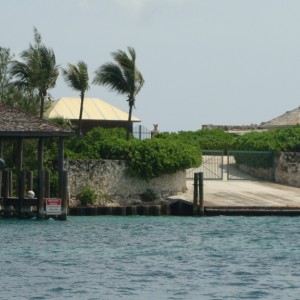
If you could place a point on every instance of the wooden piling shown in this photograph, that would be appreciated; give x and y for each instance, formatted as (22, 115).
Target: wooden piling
(109, 210)
(201, 194)
(145, 210)
(196, 194)
(40, 208)
(21, 193)
(47, 185)
(155, 210)
(10, 183)
(165, 210)
(64, 195)
(123, 211)
(7, 209)
(131, 210)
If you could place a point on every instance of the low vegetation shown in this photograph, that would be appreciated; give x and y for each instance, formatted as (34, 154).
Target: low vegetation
(214, 139)
(145, 159)
(287, 139)
(171, 152)
(87, 196)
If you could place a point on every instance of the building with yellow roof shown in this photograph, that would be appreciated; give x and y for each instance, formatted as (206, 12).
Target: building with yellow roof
(96, 113)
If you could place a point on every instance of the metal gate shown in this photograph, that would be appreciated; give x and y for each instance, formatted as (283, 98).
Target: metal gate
(250, 165)
(212, 166)
(141, 132)
(239, 165)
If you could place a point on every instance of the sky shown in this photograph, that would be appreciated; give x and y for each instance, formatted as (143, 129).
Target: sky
(222, 62)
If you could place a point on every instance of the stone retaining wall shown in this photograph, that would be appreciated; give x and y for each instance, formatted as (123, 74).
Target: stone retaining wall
(109, 180)
(287, 168)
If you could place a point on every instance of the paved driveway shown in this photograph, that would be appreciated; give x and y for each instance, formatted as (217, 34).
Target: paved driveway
(245, 193)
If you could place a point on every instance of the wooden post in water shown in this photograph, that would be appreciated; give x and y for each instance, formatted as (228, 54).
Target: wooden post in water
(201, 198)
(195, 199)
(19, 179)
(10, 183)
(21, 193)
(2, 168)
(5, 178)
(64, 196)
(47, 184)
(40, 208)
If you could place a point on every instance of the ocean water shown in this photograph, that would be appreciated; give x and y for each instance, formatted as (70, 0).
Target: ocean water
(108, 257)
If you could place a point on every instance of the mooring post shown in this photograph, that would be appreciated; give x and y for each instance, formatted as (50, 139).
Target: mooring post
(10, 183)
(64, 196)
(195, 200)
(201, 198)
(2, 168)
(21, 192)
(5, 178)
(47, 184)
(41, 208)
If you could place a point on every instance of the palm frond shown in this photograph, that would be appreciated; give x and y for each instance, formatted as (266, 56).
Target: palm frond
(139, 81)
(48, 68)
(122, 77)
(111, 75)
(76, 76)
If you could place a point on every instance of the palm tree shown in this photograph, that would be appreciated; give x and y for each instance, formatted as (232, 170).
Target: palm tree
(77, 78)
(38, 72)
(122, 77)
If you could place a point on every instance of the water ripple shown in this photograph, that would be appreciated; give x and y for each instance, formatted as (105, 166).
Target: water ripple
(150, 258)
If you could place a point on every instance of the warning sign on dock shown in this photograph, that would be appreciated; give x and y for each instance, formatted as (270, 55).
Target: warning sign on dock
(53, 206)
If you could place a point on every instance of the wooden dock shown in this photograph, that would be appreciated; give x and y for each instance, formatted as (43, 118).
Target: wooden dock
(221, 198)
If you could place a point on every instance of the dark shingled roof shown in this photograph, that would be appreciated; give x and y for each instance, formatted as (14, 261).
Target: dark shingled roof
(288, 119)
(14, 123)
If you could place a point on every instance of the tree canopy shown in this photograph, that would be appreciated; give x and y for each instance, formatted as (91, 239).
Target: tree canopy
(77, 77)
(123, 77)
(38, 71)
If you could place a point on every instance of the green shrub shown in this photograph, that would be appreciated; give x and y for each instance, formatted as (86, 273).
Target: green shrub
(287, 139)
(153, 157)
(87, 196)
(206, 139)
(145, 159)
(98, 143)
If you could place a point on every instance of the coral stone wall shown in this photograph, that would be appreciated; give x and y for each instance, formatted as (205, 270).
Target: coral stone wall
(108, 179)
(287, 168)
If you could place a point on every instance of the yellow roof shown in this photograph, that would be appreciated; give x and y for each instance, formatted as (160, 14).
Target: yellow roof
(93, 109)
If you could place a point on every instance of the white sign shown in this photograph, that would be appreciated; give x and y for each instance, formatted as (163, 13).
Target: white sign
(53, 206)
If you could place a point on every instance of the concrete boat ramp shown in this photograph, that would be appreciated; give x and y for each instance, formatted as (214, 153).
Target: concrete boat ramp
(245, 197)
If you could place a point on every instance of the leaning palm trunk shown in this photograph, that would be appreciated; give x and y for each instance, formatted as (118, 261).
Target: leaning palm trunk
(42, 107)
(77, 78)
(129, 126)
(80, 115)
(42, 104)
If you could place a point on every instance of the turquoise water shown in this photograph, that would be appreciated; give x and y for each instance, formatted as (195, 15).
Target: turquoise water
(151, 258)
